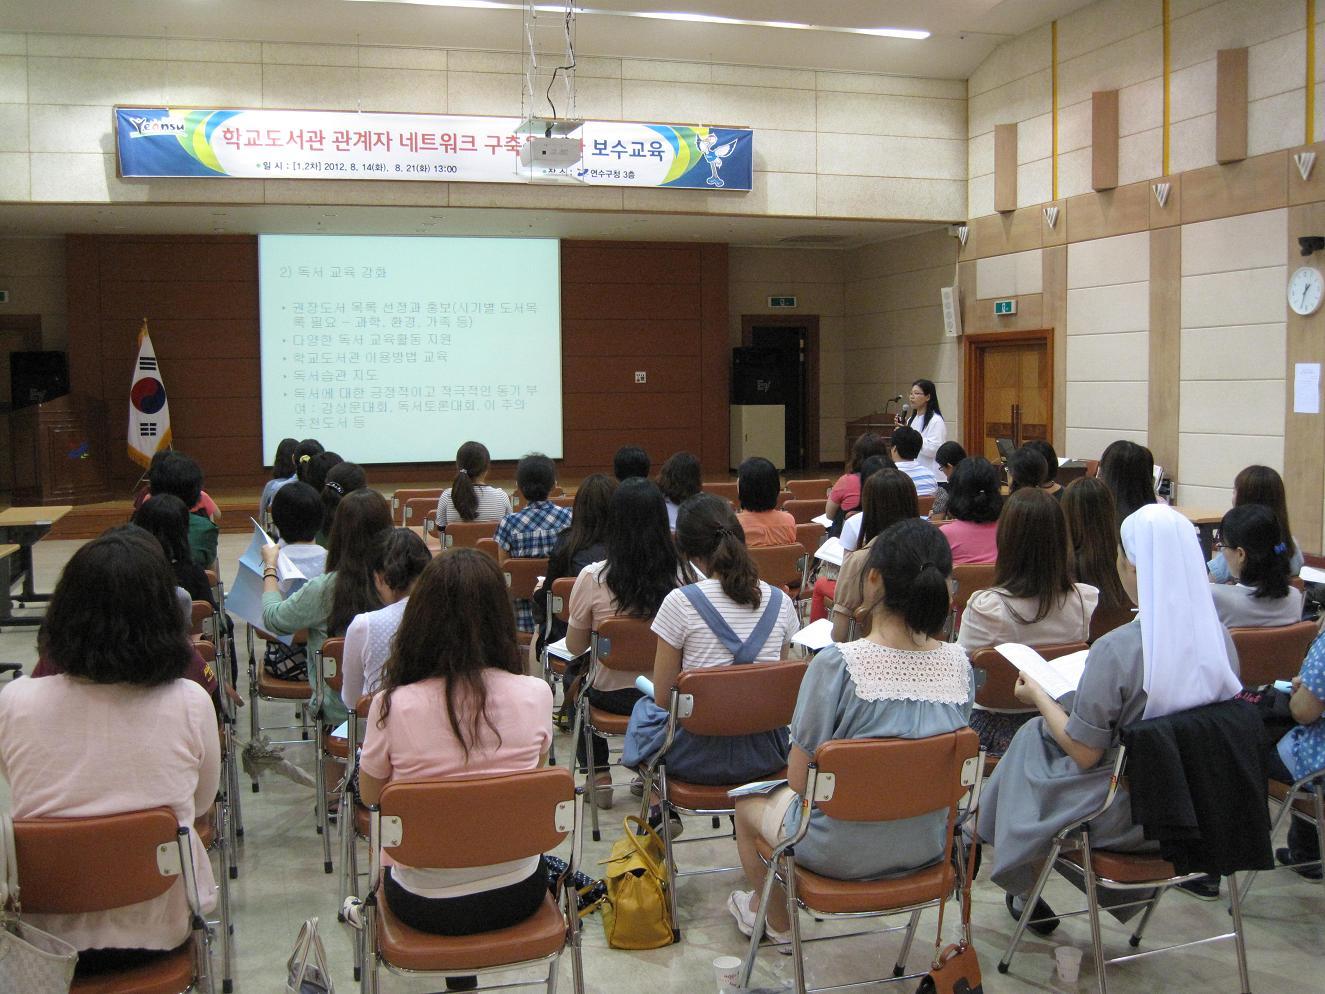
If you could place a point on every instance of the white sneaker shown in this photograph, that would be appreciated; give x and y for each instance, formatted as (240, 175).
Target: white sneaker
(351, 912)
(739, 903)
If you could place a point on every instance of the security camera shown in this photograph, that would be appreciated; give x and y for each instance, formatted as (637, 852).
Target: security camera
(1311, 243)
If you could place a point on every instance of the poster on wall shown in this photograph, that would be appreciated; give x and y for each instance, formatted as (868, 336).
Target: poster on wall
(158, 142)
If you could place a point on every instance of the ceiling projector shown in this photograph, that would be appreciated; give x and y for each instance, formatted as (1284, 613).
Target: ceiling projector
(551, 152)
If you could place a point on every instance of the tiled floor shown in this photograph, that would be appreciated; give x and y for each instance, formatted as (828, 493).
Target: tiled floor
(281, 882)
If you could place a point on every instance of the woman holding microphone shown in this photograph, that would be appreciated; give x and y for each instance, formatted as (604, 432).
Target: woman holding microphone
(926, 418)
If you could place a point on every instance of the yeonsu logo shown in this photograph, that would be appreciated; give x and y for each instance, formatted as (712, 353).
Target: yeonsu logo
(145, 127)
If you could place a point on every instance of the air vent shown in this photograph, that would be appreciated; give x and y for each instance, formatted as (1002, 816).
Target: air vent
(813, 240)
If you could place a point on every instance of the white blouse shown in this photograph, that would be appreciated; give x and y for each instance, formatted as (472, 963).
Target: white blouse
(932, 436)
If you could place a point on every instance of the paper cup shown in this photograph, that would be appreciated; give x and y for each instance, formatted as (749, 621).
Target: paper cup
(727, 972)
(1068, 959)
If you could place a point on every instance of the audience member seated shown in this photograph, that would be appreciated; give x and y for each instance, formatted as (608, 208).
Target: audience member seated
(890, 496)
(303, 460)
(370, 637)
(1262, 485)
(166, 518)
(898, 682)
(205, 505)
(710, 623)
(1026, 470)
(469, 498)
(282, 472)
(973, 509)
(1088, 507)
(326, 604)
(178, 475)
(532, 531)
(757, 486)
(904, 449)
(1056, 771)
(296, 511)
(318, 470)
(640, 568)
(844, 497)
(455, 703)
(1256, 557)
(343, 478)
(116, 728)
(1033, 600)
(1050, 485)
(851, 528)
(949, 455)
(630, 461)
(1128, 470)
(679, 479)
(582, 543)
(1299, 754)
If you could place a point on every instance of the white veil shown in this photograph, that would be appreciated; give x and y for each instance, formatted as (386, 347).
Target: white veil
(1182, 640)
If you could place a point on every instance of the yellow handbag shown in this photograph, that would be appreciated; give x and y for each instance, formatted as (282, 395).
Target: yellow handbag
(637, 913)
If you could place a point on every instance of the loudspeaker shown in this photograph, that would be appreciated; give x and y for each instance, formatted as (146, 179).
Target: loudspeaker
(36, 377)
(952, 311)
(760, 376)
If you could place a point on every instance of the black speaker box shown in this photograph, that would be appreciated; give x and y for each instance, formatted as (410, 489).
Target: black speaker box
(36, 377)
(760, 376)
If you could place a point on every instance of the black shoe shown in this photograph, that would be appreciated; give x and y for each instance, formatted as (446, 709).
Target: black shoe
(462, 983)
(1300, 863)
(1043, 920)
(1205, 888)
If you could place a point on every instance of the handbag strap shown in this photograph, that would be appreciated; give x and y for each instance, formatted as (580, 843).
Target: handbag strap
(636, 840)
(303, 946)
(966, 897)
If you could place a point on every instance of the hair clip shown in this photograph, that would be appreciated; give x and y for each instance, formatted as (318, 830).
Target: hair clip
(336, 487)
(1281, 548)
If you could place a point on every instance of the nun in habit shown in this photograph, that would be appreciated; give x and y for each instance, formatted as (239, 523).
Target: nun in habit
(1175, 655)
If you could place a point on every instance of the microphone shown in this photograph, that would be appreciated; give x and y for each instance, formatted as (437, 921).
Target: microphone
(906, 411)
(896, 399)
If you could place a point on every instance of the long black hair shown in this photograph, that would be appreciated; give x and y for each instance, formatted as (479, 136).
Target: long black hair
(166, 518)
(282, 468)
(975, 491)
(1254, 529)
(362, 520)
(343, 478)
(706, 528)
(932, 406)
(471, 462)
(914, 560)
(642, 561)
(1128, 470)
(889, 496)
(303, 458)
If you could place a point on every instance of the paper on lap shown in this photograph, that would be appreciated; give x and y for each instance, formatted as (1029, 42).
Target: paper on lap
(824, 520)
(243, 599)
(1310, 574)
(1057, 676)
(832, 551)
(560, 650)
(815, 635)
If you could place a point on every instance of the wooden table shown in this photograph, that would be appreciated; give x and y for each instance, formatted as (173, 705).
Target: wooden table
(1206, 522)
(22, 528)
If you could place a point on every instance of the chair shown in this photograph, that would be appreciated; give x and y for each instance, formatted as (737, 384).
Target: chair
(522, 577)
(968, 578)
(558, 609)
(783, 497)
(843, 782)
(466, 534)
(211, 832)
(1092, 467)
(489, 547)
(718, 701)
(354, 817)
(727, 490)
(781, 565)
(416, 509)
(75, 866)
(229, 791)
(626, 645)
(1269, 654)
(1105, 620)
(1071, 852)
(925, 504)
(400, 500)
(810, 490)
(563, 501)
(996, 693)
(811, 536)
(804, 511)
(262, 686)
(227, 673)
(454, 824)
(1305, 799)
(327, 675)
(518, 501)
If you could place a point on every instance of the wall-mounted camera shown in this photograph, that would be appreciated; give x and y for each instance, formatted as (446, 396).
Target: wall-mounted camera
(1311, 243)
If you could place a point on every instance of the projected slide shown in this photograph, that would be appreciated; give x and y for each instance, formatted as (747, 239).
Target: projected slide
(390, 349)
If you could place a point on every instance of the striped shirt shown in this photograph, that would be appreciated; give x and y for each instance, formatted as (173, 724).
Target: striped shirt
(680, 626)
(922, 476)
(493, 505)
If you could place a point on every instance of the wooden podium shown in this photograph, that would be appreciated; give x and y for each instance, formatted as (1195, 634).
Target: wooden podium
(877, 422)
(59, 452)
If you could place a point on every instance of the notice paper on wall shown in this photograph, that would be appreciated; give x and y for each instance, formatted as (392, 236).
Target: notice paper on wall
(1306, 388)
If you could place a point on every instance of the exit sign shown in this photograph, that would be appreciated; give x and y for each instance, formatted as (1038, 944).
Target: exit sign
(1004, 307)
(781, 301)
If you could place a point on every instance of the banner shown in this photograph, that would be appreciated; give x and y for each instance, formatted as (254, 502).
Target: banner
(305, 144)
(149, 413)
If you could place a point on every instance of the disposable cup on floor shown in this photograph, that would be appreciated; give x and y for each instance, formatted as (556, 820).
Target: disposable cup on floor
(727, 970)
(1068, 959)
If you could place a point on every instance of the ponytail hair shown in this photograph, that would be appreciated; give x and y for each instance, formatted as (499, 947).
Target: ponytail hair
(914, 561)
(471, 462)
(1254, 529)
(706, 528)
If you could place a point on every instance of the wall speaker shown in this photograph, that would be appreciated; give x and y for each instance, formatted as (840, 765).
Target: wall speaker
(952, 311)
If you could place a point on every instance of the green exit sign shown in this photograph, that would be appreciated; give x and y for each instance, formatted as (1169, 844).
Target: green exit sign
(781, 301)
(1004, 307)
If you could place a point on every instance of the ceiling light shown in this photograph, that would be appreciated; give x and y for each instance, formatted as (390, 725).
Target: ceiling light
(658, 15)
(892, 33)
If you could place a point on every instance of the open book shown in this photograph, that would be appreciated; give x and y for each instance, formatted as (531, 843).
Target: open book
(1057, 676)
(822, 519)
(560, 650)
(831, 552)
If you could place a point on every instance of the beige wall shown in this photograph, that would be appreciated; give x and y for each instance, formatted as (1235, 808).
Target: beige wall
(827, 144)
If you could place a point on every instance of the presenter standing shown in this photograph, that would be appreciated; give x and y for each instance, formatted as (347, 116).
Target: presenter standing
(926, 418)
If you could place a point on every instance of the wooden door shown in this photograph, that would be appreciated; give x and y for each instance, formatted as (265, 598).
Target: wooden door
(1008, 375)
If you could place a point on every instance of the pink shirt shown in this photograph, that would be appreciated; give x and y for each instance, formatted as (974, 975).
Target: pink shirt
(418, 743)
(970, 542)
(74, 749)
(846, 492)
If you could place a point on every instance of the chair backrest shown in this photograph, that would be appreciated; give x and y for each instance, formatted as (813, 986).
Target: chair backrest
(1106, 619)
(739, 700)
(726, 490)
(1269, 654)
(562, 501)
(783, 497)
(466, 534)
(489, 547)
(1092, 467)
(453, 824)
(518, 501)
(925, 505)
(1001, 676)
(970, 577)
(810, 490)
(213, 578)
(922, 775)
(199, 615)
(401, 498)
(626, 645)
(522, 576)
(779, 565)
(560, 598)
(416, 509)
(804, 510)
(71, 866)
(811, 536)
(333, 651)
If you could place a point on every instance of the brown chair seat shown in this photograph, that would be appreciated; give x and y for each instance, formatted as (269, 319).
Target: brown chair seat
(1127, 867)
(541, 935)
(845, 897)
(607, 722)
(334, 745)
(1279, 791)
(283, 690)
(168, 975)
(362, 821)
(705, 797)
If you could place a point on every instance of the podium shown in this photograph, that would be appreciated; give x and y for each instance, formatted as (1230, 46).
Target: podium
(878, 422)
(59, 452)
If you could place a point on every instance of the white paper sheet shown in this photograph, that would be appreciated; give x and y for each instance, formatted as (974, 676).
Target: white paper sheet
(243, 598)
(1310, 574)
(1057, 676)
(561, 650)
(1306, 388)
(815, 635)
(831, 552)
(824, 520)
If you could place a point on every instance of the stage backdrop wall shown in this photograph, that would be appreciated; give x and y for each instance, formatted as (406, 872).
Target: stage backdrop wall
(627, 307)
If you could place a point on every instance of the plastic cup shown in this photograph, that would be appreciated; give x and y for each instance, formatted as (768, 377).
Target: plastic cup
(1068, 960)
(727, 971)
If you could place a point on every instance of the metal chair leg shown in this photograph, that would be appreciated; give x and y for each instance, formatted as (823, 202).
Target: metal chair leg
(1029, 910)
(761, 916)
(666, 825)
(793, 918)
(1239, 942)
(899, 968)
(1135, 940)
(1093, 905)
